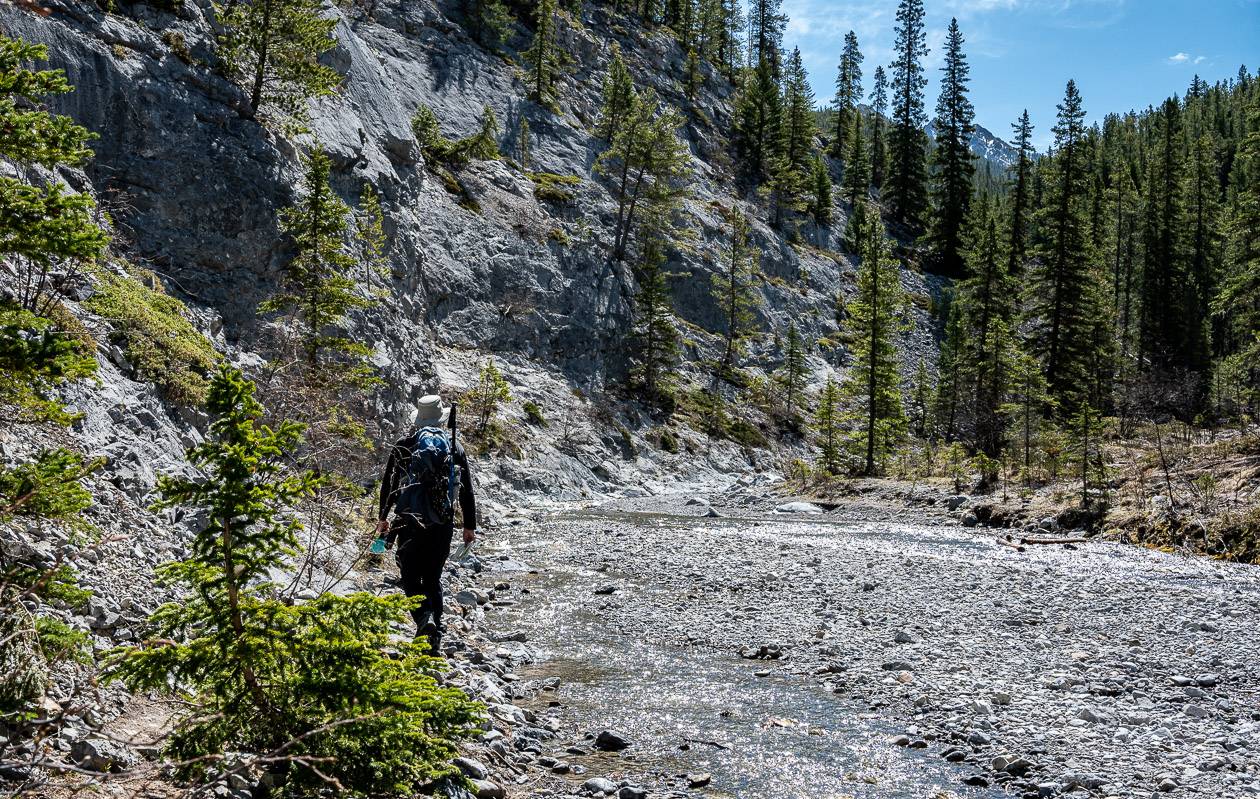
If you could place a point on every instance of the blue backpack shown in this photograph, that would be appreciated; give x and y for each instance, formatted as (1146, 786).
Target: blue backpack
(429, 478)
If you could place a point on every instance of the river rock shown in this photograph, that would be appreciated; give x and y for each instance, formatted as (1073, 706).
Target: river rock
(599, 786)
(611, 741)
(798, 507)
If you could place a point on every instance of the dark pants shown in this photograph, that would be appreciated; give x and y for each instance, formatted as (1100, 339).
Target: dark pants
(422, 553)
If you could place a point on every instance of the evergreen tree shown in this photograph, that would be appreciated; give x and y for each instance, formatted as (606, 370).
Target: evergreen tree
(618, 98)
(759, 122)
(795, 371)
(828, 421)
(951, 181)
(42, 227)
(485, 399)
(799, 129)
(272, 48)
(879, 111)
(320, 289)
(488, 21)
(1020, 199)
(848, 94)
(255, 672)
(986, 308)
(1238, 303)
(1171, 340)
(523, 147)
(655, 335)
(484, 144)
(543, 56)
(370, 227)
(951, 386)
(1061, 295)
(906, 185)
(648, 163)
(872, 386)
(1085, 445)
(1027, 403)
(736, 295)
(857, 172)
(820, 205)
(919, 412)
(1204, 229)
(766, 21)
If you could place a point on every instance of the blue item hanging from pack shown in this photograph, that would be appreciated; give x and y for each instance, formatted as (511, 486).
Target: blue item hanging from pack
(429, 478)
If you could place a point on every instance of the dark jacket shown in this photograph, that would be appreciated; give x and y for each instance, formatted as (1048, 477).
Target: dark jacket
(396, 466)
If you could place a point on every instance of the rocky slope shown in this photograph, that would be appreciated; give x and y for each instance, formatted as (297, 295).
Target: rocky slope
(194, 190)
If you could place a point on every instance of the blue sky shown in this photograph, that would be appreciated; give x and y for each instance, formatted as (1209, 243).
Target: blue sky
(1123, 54)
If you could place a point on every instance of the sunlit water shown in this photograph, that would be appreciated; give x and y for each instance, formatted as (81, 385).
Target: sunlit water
(691, 710)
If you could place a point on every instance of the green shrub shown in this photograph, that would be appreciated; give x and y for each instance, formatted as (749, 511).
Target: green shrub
(669, 441)
(746, 434)
(37, 355)
(160, 342)
(534, 414)
(552, 188)
(175, 41)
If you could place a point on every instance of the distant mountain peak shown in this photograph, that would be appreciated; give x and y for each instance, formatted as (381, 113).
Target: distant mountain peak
(986, 145)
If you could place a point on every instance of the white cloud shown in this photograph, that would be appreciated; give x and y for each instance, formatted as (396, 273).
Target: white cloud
(1178, 59)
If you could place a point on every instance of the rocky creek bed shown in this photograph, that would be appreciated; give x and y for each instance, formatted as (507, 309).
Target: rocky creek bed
(861, 651)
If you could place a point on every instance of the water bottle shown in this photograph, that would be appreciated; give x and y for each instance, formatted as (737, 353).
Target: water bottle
(378, 547)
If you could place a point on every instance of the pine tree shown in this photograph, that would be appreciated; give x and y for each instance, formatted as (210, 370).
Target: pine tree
(1017, 246)
(318, 282)
(848, 94)
(951, 386)
(1168, 334)
(820, 204)
(759, 122)
(952, 178)
(1027, 404)
(484, 144)
(906, 185)
(272, 48)
(691, 71)
(799, 127)
(766, 22)
(828, 421)
(857, 172)
(484, 400)
(1204, 228)
(370, 228)
(543, 56)
(488, 21)
(986, 307)
(655, 335)
(255, 672)
(879, 111)
(795, 371)
(523, 146)
(42, 227)
(736, 296)
(649, 165)
(872, 385)
(920, 411)
(1085, 445)
(1238, 304)
(1062, 297)
(618, 97)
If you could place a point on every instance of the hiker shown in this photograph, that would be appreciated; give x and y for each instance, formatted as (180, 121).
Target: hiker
(424, 472)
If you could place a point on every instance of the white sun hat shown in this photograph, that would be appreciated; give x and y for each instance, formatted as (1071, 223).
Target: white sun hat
(430, 411)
